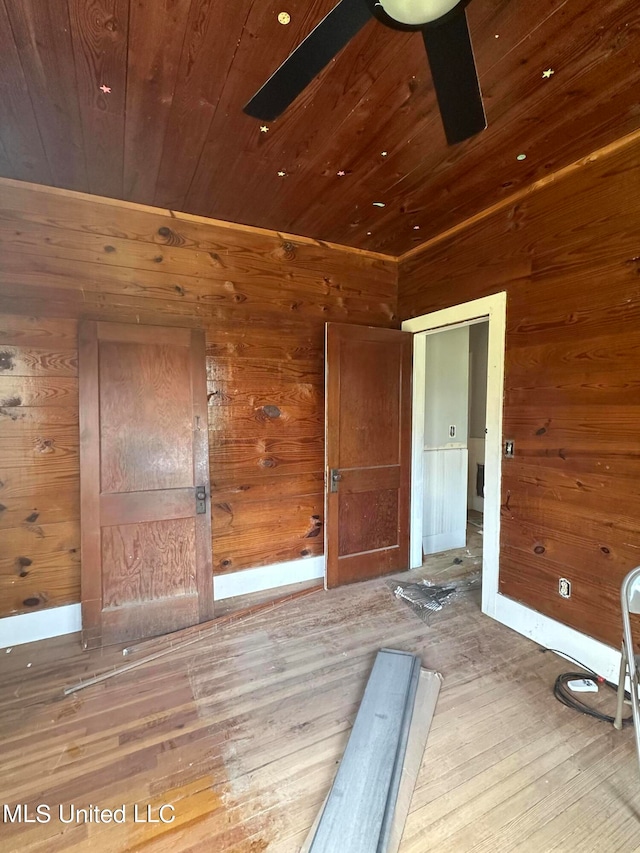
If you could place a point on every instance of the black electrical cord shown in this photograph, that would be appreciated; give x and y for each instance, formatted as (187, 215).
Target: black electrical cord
(564, 694)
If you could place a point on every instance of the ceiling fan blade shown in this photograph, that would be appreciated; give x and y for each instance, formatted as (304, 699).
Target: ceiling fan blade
(455, 78)
(308, 59)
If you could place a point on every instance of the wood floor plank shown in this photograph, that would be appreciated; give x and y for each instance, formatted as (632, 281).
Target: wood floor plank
(241, 732)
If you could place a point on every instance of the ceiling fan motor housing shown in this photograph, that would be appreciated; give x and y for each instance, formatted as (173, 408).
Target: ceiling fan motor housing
(415, 14)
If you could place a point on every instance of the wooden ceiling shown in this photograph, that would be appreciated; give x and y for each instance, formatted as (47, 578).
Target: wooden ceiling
(171, 131)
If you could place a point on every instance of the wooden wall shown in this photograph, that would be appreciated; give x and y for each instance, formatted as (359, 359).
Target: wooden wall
(263, 300)
(568, 256)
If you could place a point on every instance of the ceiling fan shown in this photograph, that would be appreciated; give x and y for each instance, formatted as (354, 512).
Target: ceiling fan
(444, 28)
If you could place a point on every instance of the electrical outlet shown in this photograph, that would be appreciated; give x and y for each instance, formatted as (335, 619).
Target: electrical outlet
(564, 587)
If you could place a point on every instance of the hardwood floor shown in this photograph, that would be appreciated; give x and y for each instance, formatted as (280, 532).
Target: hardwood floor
(241, 602)
(456, 562)
(241, 734)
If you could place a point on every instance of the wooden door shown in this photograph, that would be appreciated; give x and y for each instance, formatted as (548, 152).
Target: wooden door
(368, 452)
(146, 545)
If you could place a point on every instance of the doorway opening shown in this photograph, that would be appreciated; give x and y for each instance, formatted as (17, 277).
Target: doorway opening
(453, 458)
(458, 378)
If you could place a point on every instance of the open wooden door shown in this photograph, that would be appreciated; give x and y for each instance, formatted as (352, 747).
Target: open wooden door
(368, 452)
(144, 472)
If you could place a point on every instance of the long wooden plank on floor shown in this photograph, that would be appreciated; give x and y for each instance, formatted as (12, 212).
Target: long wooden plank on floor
(429, 685)
(358, 811)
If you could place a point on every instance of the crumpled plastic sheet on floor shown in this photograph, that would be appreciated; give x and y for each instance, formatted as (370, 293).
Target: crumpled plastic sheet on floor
(425, 597)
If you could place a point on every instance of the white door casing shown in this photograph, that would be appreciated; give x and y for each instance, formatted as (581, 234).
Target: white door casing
(538, 627)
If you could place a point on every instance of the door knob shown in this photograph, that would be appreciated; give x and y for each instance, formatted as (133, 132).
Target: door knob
(201, 500)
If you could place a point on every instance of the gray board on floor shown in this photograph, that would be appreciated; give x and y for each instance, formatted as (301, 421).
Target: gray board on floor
(358, 812)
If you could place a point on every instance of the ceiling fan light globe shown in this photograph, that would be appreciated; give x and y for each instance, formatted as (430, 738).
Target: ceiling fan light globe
(417, 12)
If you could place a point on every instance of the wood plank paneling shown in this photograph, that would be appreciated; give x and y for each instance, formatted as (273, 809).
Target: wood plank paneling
(157, 258)
(56, 506)
(36, 391)
(39, 564)
(548, 123)
(236, 458)
(5, 165)
(210, 45)
(302, 147)
(39, 333)
(99, 34)
(42, 36)
(55, 467)
(25, 361)
(262, 300)
(39, 561)
(150, 225)
(21, 440)
(251, 417)
(570, 498)
(171, 130)
(255, 50)
(23, 153)
(156, 34)
(248, 533)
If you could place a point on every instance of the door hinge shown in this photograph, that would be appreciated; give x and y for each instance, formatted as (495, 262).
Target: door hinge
(336, 476)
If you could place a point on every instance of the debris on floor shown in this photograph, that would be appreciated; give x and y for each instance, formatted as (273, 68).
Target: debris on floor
(425, 597)
(367, 806)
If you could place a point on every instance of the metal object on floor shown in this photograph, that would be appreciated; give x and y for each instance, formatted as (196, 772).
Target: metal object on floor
(426, 598)
(630, 662)
(369, 798)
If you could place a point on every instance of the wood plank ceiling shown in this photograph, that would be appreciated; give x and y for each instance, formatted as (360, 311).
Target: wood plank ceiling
(168, 128)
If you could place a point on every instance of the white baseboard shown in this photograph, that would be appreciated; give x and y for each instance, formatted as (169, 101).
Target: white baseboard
(267, 577)
(554, 635)
(444, 541)
(30, 627)
(477, 504)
